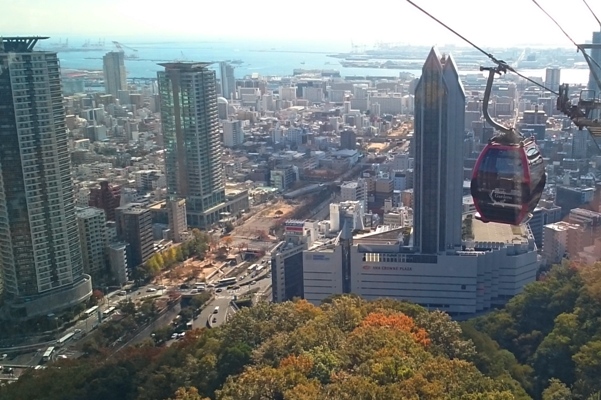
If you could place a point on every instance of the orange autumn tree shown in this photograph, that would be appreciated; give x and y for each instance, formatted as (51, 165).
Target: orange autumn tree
(399, 322)
(302, 364)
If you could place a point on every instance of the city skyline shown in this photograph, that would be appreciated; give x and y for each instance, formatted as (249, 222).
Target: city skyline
(529, 24)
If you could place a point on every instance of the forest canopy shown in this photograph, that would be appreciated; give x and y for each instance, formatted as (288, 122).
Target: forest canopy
(545, 344)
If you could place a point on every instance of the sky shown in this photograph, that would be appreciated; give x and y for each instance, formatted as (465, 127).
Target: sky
(487, 23)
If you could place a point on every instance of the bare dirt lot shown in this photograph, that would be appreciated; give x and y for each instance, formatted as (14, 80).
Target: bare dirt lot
(190, 268)
(377, 146)
(262, 222)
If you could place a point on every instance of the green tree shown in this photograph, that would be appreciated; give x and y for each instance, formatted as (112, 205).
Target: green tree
(588, 368)
(163, 333)
(190, 393)
(199, 300)
(446, 335)
(557, 390)
(127, 307)
(179, 254)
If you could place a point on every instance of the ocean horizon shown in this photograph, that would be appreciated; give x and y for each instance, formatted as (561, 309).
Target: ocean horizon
(266, 59)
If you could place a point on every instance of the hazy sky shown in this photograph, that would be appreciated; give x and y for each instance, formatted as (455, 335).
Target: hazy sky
(489, 23)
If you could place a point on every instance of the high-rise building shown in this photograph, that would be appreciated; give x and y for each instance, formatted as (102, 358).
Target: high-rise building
(440, 269)
(134, 226)
(223, 108)
(552, 79)
(107, 198)
(91, 223)
(439, 130)
(178, 225)
(595, 54)
(233, 135)
(348, 139)
(39, 245)
(193, 147)
(228, 81)
(113, 65)
(287, 259)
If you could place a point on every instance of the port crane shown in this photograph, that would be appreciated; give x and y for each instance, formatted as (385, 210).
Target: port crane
(120, 46)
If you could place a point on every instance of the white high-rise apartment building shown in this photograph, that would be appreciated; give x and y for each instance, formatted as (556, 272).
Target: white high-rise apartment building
(178, 224)
(40, 255)
(91, 223)
(233, 135)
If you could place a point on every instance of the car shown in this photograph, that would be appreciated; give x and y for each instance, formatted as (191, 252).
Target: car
(219, 290)
(77, 331)
(174, 336)
(184, 286)
(151, 290)
(253, 282)
(122, 293)
(236, 287)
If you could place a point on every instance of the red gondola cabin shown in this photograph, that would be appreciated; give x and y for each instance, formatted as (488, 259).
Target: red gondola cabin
(508, 181)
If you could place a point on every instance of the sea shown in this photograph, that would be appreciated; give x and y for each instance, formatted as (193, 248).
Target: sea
(265, 59)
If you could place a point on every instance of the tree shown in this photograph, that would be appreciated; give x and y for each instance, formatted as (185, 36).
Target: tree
(169, 257)
(446, 336)
(127, 307)
(588, 368)
(557, 390)
(229, 227)
(98, 295)
(187, 314)
(163, 333)
(199, 300)
(190, 393)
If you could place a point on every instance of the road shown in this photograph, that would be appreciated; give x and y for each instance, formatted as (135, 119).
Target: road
(225, 296)
(82, 327)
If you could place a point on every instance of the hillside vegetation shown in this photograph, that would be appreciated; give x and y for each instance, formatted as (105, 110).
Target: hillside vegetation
(545, 344)
(553, 329)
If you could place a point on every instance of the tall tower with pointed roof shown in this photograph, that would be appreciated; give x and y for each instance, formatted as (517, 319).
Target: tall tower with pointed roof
(438, 137)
